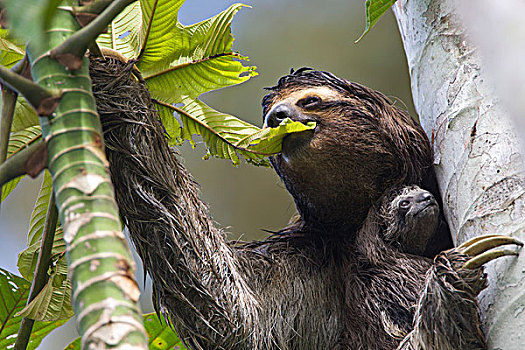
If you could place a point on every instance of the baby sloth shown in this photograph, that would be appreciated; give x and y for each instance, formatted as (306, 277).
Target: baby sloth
(413, 216)
(447, 310)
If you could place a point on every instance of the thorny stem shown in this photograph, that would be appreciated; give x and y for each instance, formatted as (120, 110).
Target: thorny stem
(15, 166)
(42, 266)
(33, 92)
(78, 43)
(104, 292)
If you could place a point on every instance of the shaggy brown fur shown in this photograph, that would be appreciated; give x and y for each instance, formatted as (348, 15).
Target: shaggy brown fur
(306, 288)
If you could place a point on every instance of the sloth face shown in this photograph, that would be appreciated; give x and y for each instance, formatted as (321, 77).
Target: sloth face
(361, 146)
(414, 218)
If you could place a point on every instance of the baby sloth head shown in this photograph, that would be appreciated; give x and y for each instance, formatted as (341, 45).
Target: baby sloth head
(412, 217)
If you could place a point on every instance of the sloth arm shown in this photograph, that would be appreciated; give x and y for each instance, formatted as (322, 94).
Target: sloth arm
(217, 295)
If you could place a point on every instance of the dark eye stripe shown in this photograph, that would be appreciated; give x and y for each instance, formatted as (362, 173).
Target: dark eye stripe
(309, 102)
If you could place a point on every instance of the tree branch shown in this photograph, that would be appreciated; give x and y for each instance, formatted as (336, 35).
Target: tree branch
(8, 109)
(95, 7)
(42, 266)
(19, 164)
(38, 96)
(71, 51)
(9, 97)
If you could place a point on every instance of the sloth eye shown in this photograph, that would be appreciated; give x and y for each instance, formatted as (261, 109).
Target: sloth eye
(404, 204)
(309, 102)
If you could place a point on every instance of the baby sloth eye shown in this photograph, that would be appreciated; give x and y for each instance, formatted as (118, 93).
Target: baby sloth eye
(309, 102)
(404, 204)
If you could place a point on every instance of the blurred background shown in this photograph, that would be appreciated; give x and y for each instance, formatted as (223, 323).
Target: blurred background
(277, 35)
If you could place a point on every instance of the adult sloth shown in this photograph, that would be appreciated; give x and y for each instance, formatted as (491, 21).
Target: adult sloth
(327, 281)
(362, 145)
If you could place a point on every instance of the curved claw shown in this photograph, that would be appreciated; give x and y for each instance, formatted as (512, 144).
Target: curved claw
(475, 240)
(481, 259)
(489, 242)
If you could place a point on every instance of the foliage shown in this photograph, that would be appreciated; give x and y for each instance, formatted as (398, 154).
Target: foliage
(374, 9)
(17, 142)
(180, 63)
(14, 291)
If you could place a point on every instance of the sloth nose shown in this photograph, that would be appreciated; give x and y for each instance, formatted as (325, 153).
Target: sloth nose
(424, 197)
(279, 113)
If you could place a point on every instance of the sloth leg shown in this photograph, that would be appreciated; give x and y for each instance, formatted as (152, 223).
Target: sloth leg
(447, 315)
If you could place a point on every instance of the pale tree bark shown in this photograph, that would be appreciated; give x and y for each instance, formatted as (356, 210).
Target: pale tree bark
(498, 31)
(477, 153)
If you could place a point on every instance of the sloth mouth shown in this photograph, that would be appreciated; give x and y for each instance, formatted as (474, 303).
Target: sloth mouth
(293, 144)
(431, 205)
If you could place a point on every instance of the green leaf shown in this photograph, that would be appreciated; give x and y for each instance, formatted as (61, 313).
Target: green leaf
(185, 61)
(123, 32)
(219, 131)
(38, 217)
(374, 9)
(228, 137)
(54, 300)
(171, 124)
(18, 141)
(14, 292)
(25, 116)
(269, 140)
(27, 258)
(161, 336)
(11, 50)
(29, 19)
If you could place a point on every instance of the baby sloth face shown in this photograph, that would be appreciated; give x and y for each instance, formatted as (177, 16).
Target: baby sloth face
(413, 218)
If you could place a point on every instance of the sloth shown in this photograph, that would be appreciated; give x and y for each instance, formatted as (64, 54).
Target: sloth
(411, 218)
(334, 279)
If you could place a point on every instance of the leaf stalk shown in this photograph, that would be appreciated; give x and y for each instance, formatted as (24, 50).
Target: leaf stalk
(42, 266)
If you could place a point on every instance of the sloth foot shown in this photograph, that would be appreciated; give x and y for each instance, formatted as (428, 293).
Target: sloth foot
(479, 249)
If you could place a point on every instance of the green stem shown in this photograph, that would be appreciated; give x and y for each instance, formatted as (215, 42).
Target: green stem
(104, 291)
(33, 92)
(8, 111)
(17, 165)
(95, 7)
(40, 276)
(78, 43)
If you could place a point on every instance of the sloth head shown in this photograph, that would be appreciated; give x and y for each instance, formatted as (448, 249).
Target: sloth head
(361, 146)
(411, 218)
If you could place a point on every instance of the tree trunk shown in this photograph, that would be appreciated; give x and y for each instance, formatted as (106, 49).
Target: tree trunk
(477, 154)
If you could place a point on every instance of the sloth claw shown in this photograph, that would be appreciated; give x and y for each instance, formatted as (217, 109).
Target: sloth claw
(486, 243)
(475, 240)
(479, 249)
(485, 257)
